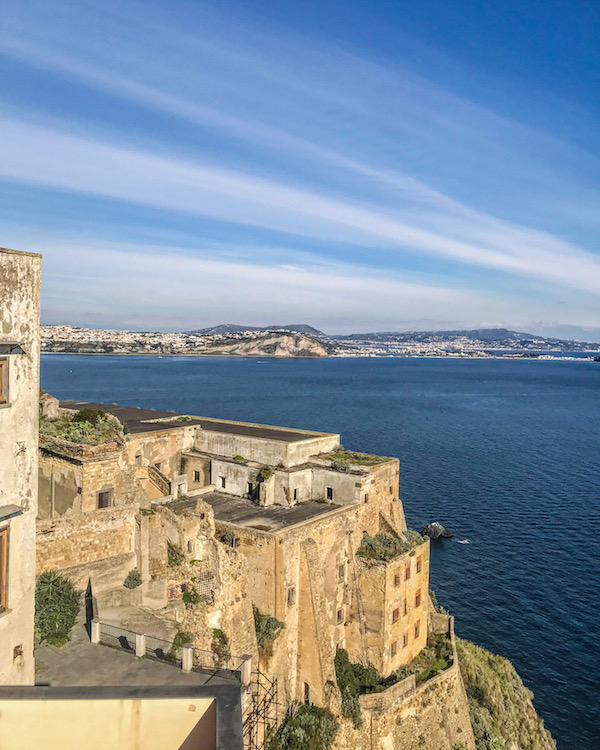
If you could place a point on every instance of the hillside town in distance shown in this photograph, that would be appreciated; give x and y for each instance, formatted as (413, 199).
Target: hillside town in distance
(302, 340)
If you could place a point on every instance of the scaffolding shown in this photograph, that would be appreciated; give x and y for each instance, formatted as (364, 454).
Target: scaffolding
(261, 716)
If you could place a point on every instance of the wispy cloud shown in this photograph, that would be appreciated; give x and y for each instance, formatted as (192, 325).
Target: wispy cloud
(259, 130)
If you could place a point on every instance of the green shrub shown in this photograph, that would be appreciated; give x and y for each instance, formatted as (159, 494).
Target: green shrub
(220, 644)
(305, 728)
(57, 603)
(229, 538)
(265, 473)
(266, 627)
(351, 708)
(93, 416)
(175, 556)
(239, 458)
(192, 596)
(182, 638)
(133, 579)
(381, 547)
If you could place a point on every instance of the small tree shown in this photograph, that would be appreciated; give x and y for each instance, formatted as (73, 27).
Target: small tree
(266, 627)
(133, 579)
(57, 603)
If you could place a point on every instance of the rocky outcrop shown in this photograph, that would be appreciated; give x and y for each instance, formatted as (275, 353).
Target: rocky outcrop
(276, 345)
(435, 530)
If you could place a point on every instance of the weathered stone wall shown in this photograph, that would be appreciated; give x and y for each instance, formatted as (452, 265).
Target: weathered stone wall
(433, 716)
(80, 540)
(60, 483)
(19, 323)
(164, 448)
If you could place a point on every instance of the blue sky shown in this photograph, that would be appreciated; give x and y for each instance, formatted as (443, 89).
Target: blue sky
(356, 166)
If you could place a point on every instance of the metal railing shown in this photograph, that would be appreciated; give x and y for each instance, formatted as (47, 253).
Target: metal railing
(185, 657)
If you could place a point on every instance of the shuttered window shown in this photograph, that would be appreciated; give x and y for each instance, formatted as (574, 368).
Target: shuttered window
(3, 381)
(3, 570)
(104, 499)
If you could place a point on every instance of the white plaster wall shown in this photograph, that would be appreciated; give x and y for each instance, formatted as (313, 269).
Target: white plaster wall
(19, 321)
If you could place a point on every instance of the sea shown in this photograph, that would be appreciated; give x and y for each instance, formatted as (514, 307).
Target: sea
(505, 453)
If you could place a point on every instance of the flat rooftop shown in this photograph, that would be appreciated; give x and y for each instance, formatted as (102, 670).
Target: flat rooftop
(144, 420)
(242, 512)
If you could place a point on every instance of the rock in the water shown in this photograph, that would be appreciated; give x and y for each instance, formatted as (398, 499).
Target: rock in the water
(435, 530)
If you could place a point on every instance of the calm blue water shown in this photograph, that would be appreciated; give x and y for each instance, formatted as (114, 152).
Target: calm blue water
(505, 453)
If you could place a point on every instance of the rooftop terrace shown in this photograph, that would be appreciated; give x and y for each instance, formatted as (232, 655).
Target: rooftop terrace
(146, 420)
(242, 512)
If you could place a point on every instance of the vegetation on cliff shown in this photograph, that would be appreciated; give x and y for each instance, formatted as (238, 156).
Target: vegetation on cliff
(305, 728)
(87, 427)
(266, 627)
(383, 547)
(502, 714)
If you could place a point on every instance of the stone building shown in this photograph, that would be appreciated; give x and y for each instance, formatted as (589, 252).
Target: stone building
(258, 516)
(19, 388)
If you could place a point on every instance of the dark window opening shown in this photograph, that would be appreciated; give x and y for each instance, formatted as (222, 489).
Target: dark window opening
(222, 482)
(295, 493)
(394, 648)
(395, 615)
(340, 616)
(196, 476)
(158, 465)
(291, 596)
(138, 459)
(104, 499)
(330, 493)
(306, 694)
(250, 489)
(341, 572)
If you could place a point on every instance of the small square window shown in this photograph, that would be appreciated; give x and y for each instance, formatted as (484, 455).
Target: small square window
(196, 476)
(419, 566)
(394, 648)
(340, 616)
(291, 596)
(341, 572)
(104, 499)
(405, 640)
(407, 572)
(222, 482)
(395, 615)
(417, 628)
(418, 598)
(138, 459)
(397, 578)
(330, 493)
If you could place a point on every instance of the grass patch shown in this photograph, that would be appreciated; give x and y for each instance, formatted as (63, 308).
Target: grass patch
(383, 547)
(342, 460)
(85, 427)
(502, 714)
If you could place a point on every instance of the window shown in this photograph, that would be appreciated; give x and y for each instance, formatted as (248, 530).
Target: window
(3, 381)
(407, 572)
(405, 608)
(330, 493)
(418, 565)
(291, 596)
(190, 546)
(397, 578)
(104, 499)
(138, 459)
(249, 488)
(391, 490)
(417, 628)
(394, 648)
(366, 497)
(158, 465)
(295, 493)
(418, 598)
(222, 482)
(341, 572)
(340, 616)
(405, 640)
(3, 569)
(196, 476)
(395, 615)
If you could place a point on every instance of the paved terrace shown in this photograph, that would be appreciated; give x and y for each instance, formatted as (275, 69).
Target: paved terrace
(81, 662)
(142, 420)
(242, 512)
